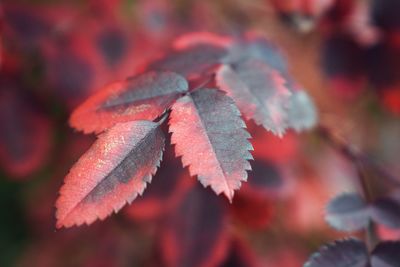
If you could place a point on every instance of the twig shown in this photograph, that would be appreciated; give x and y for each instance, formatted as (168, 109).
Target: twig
(360, 161)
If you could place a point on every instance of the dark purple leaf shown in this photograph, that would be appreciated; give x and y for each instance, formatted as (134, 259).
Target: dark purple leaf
(386, 254)
(211, 138)
(347, 212)
(25, 135)
(70, 74)
(27, 24)
(240, 255)
(344, 253)
(265, 175)
(113, 45)
(386, 211)
(196, 233)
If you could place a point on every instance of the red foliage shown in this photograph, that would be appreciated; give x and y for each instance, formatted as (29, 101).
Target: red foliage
(25, 138)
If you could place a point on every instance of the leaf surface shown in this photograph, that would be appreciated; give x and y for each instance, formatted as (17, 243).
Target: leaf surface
(25, 135)
(344, 253)
(347, 212)
(191, 62)
(386, 211)
(211, 138)
(386, 254)
(259, 92)
(111, 173)
(195, 234)
(144, 97)
(302, 111)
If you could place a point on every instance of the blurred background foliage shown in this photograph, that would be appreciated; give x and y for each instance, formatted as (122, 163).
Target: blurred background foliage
(56, 53)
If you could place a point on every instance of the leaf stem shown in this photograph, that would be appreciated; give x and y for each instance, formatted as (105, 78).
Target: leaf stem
(360, 161)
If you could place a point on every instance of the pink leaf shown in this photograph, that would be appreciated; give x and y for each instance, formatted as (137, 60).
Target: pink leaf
(111, 173)
(210, 136)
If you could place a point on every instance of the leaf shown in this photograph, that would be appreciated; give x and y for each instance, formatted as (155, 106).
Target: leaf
(240, 255)
(70, 74)
(258, 48)
(26, 23)
(210, 136)
(265, 175)
(191, 62)
(253, 211)
(112, 45)
(166, 189)
(265, 181)
(111, 173)
(199, 38)
(386, 254)
(259, 92)
(144, 97)
(25, 135)
(196, 233)
(302, 112)
(386, 211)
(344, 253)
(347, 212)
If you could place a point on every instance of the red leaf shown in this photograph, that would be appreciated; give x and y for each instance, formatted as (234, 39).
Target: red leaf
(25, 136)
(253, 211)
(199, 38)
(144, 97)
(111, 173)
(196, 233)
(210, 136)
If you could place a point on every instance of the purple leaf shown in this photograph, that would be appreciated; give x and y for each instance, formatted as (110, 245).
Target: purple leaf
(386, 211)
(196, 233)
(211, 138)
(344, 253)
(347, 212)
(386, 254)
(112, 45)
(144, 97)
